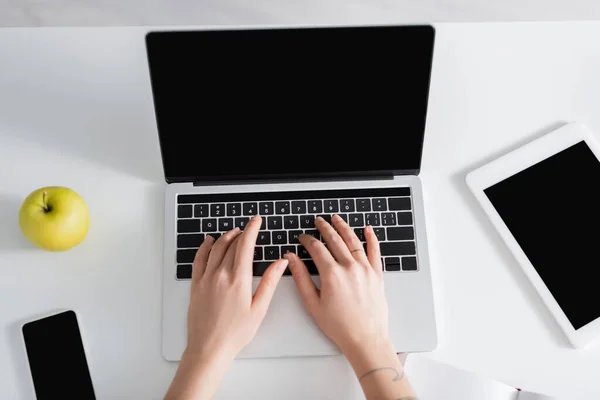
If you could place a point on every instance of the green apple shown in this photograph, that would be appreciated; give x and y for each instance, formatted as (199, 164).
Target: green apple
(54, 218)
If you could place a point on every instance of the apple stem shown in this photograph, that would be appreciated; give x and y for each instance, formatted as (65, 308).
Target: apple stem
(44, 201)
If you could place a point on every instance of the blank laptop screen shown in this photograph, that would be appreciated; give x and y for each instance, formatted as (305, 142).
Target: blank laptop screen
(553, 211)
(241, 103)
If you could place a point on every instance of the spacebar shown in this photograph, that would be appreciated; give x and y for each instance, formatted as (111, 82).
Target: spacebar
(397, 248)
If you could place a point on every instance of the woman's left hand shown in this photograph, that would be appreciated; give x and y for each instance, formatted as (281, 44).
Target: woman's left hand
(223, 315)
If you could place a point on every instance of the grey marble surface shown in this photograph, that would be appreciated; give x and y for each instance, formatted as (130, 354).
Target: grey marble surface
(226, 12)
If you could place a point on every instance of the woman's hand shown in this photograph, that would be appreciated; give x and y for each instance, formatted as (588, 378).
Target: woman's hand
(351, 307)
(223, 316)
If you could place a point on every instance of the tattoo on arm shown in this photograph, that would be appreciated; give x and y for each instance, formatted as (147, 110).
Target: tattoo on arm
(397, 377)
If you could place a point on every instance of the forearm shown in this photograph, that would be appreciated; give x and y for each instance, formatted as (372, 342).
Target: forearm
(380, 372)
(197, 377)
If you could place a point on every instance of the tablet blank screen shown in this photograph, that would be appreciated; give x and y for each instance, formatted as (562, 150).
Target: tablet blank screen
(553, 211)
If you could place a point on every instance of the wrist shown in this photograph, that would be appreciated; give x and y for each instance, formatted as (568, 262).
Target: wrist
(370, 355)
(203, 358)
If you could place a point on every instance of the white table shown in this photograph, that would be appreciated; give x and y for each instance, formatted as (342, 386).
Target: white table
(76, 110)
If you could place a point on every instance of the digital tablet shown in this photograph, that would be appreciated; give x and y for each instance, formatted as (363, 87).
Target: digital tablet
(544, 200)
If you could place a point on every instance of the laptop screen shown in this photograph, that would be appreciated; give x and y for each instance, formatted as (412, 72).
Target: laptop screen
(296, 102)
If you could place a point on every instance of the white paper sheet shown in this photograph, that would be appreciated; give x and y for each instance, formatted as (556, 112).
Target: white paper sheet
(434, 381)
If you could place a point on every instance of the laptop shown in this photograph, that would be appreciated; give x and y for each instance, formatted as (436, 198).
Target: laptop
(292, 123)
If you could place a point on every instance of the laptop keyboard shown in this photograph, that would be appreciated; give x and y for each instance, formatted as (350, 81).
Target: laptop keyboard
(287, 215)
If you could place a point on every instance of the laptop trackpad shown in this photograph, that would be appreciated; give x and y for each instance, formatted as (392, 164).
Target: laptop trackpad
(288, 329)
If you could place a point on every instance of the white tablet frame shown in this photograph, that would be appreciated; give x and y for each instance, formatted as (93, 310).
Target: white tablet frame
(507, 166)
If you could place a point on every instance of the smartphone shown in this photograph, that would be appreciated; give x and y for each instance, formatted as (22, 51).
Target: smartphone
(57, 359)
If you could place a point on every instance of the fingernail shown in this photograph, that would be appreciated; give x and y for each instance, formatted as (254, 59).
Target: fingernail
(209, 238)
(335, 216)
(319, 219)
(289, 258)
(284, 264)
(370, 228)
(256, 217)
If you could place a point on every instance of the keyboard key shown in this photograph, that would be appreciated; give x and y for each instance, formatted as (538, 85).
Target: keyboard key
(405, 218)
(215, 235)
(326, 217)
(258, 253)
(409, 263)
(315, 206)
(392, 264)
(307, 221)
(184, 271)
(188, 225)
(344, 217)
(288, 249)
(280, 237)
(259, 268)
(363, 205)
(250, 208)
(266, 208)
(234, 209)
(275, 223)
(271, 253)
(184, 211)
(291, 222)
(264, 237)
(379, 204)
(287, 272)
(225, 224)
(186, 256)
(193, 241)
(399, 203)
(209, 225)
(201, 210)
(241, 222)
(302, 252)
(347, 205)
(360, 233)
(293, 237)
(331, 206)
(263, 224)
(388, 219)
(373, 219)
(312, 267)
(217, 210)
(299, 207)
(356, 220)
(397, 248)
(400, 233)
(282, 207)
(380, 233)
(314, 233)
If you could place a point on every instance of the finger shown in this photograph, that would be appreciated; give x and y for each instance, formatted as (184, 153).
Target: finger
(245, 251)
(373, 251)
(318, 252)
(354, 245)
(229, 257)
(308, 291)
(266, 288)
(201, 258)
(220, 248)
(335, 244)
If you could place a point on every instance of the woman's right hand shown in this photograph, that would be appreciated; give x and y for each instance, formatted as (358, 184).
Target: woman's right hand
(350, 308)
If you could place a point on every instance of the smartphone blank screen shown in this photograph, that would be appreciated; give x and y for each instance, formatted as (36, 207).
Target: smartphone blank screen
(56, 358)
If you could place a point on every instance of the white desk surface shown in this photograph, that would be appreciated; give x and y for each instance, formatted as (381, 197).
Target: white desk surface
(76, 110)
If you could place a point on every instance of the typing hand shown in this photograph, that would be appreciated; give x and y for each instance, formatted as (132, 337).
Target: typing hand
(351, 308)
(223, 316)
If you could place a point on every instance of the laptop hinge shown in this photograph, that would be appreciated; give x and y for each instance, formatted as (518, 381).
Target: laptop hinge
(255, 181)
